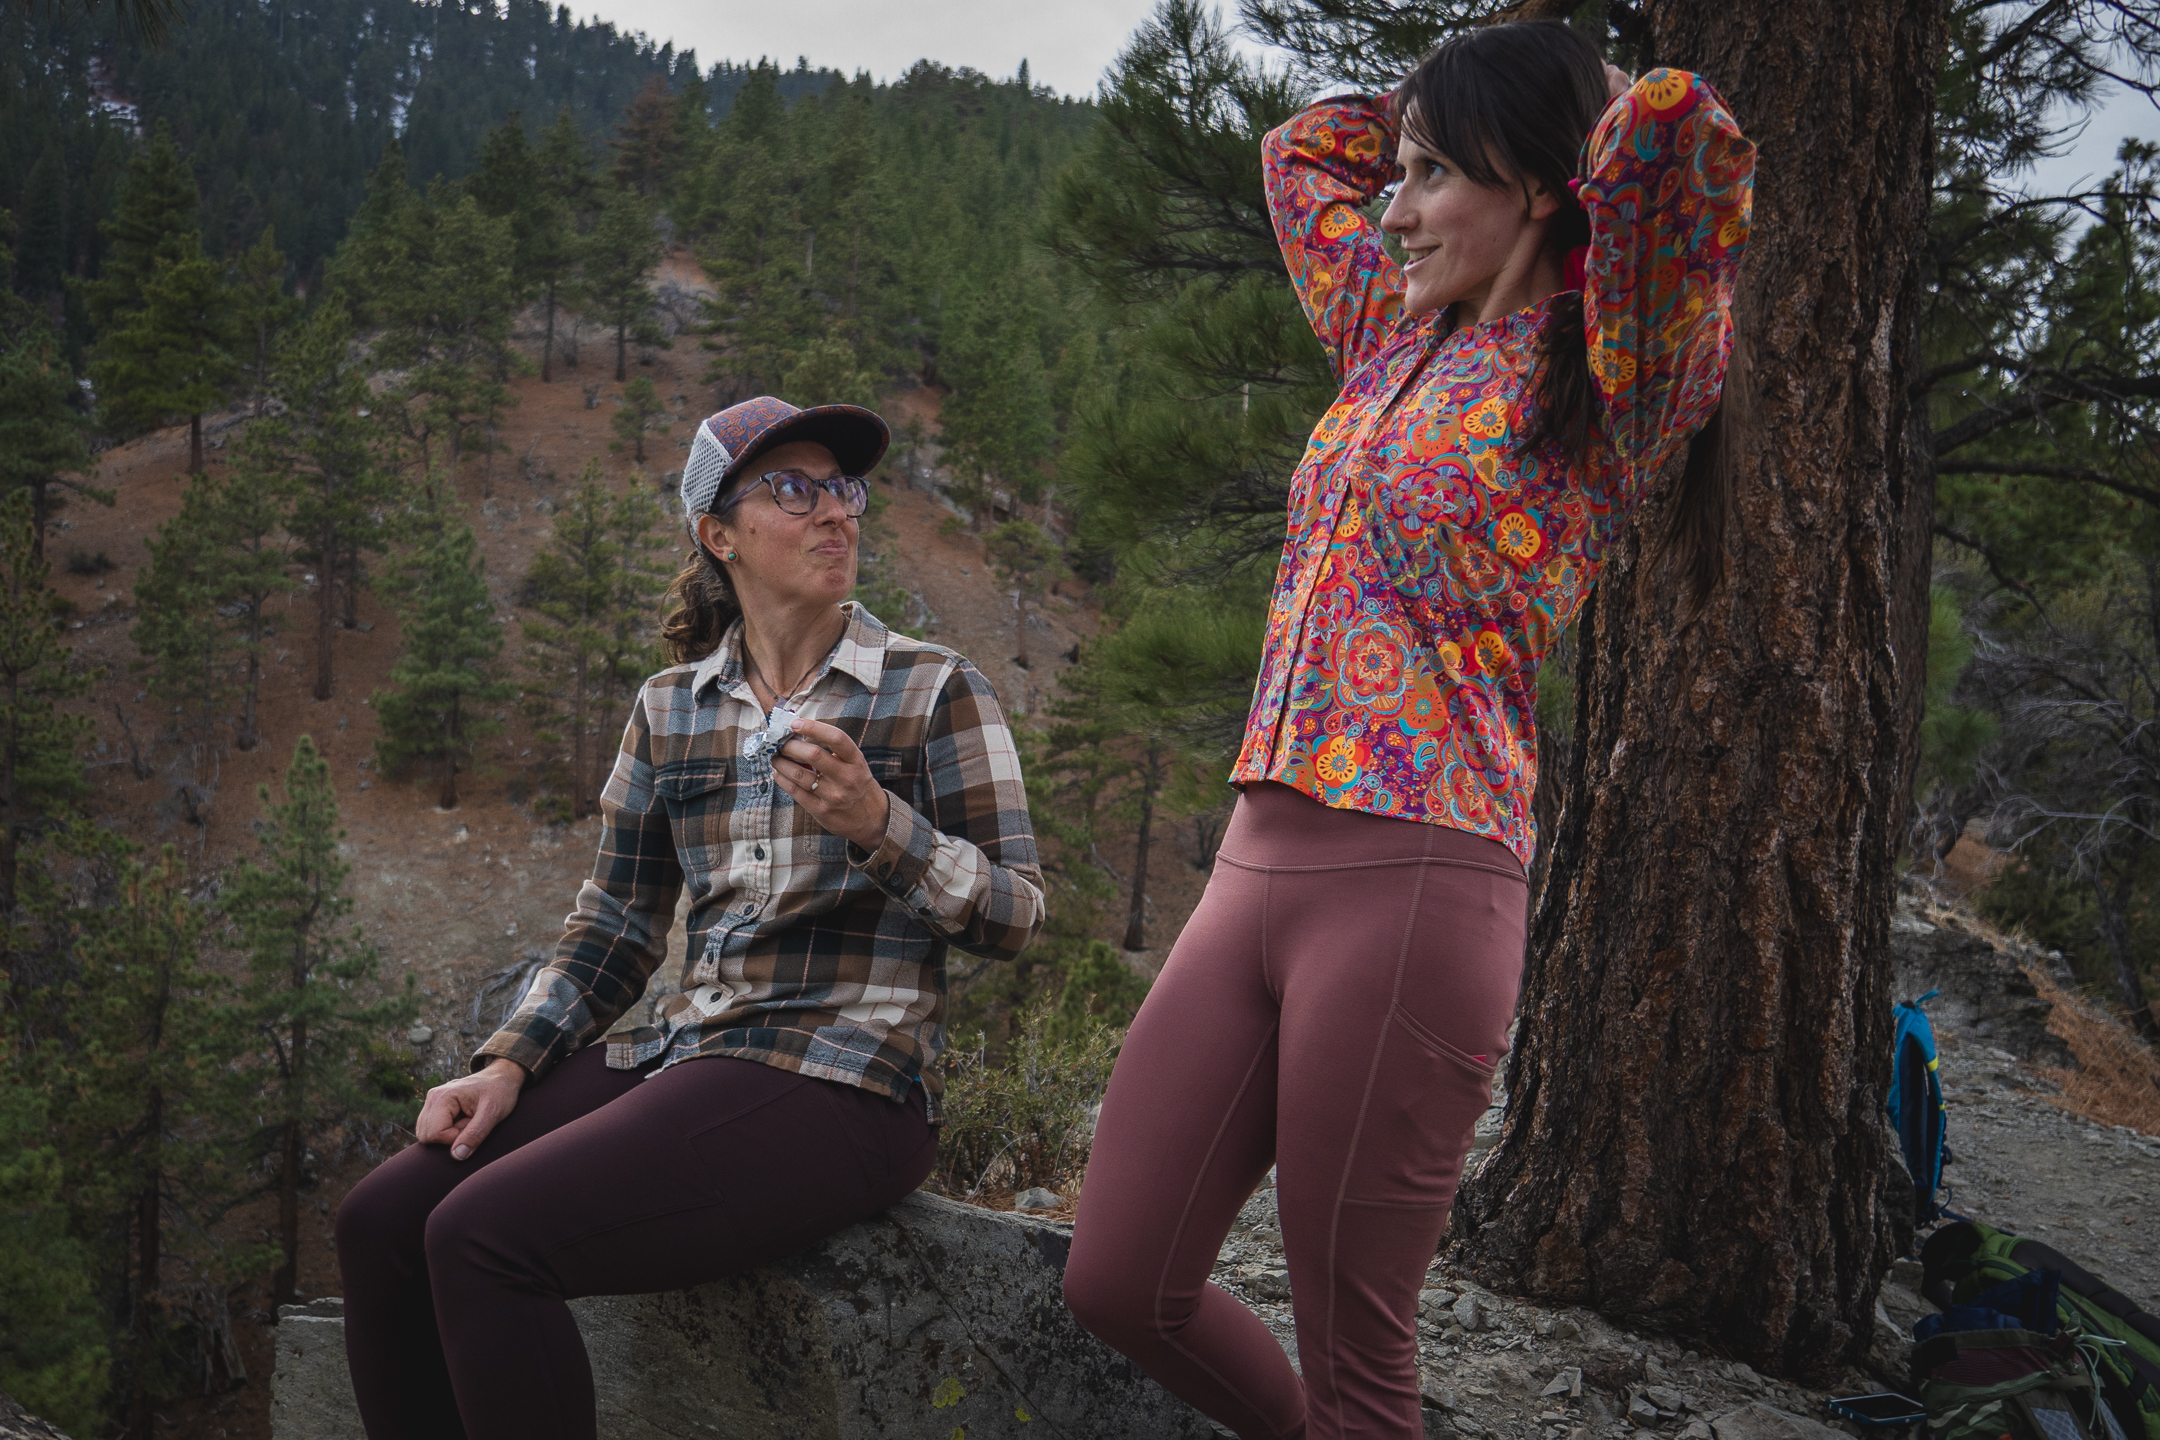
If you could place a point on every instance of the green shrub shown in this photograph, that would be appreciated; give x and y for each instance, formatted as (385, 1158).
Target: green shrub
(1030, 1120)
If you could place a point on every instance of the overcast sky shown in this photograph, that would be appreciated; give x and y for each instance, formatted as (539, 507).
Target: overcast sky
(1067, 44)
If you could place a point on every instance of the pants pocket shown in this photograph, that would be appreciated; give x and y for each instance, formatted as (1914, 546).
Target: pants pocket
(1425, 1102)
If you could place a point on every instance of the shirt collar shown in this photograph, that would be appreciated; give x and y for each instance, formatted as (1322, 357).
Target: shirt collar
(860, 653)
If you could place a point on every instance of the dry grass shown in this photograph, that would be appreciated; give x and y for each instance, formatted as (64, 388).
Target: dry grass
(2117, 1081)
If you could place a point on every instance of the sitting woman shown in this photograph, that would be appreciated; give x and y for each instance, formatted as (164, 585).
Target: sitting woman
(844, 804)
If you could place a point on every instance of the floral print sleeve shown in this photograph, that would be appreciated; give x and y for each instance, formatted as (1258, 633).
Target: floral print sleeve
(1322, 168)
(1668, 181)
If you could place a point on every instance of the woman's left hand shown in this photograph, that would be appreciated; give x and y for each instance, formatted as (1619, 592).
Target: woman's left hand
(825, 773)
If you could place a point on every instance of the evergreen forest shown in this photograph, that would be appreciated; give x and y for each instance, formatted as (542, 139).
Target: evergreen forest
(328, 250)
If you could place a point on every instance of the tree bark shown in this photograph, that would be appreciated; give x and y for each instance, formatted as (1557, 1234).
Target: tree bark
(1695, 1138)
(1136, 911)
(325, 612)
(2114, 907)
(194, 435)
(547, 348)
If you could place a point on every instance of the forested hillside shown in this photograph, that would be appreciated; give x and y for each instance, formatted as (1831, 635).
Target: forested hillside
(347, 357)
(283, 110)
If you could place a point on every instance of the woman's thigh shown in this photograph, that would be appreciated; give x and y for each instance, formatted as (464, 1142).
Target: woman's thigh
(1188, 1123)
(706, 1169)
(388, 1210)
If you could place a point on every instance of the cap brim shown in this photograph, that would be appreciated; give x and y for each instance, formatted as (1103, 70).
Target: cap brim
(856, 437)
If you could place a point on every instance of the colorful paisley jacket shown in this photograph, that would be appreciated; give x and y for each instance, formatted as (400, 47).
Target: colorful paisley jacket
(1430, 565)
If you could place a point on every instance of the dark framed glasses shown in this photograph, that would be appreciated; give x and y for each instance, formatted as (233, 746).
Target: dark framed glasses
(797, 494)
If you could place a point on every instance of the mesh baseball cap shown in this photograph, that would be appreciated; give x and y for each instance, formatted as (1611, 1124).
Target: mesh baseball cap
(727, 442)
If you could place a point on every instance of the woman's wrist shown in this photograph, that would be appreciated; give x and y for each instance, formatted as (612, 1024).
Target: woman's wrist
(504, 1068)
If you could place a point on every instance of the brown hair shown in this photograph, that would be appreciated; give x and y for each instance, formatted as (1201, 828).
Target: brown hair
(704, 606)
(1514, 103)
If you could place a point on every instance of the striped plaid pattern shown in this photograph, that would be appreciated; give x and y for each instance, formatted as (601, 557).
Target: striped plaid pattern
(805, 951)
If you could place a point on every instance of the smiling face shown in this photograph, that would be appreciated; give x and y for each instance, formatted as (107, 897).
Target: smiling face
(783, 561)
(1462, 240)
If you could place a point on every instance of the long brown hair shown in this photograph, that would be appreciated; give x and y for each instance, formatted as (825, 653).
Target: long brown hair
(1513, 103)
(704, 606)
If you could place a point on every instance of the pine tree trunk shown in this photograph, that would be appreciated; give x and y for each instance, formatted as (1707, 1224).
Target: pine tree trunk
(447, 798)
(9, 744)
(149, 1226)
(2114, 912)
(194, 435)
(40, 513)
(1136, 909)
(249, 697)
(1020, 626)
(1695, 1138)
(547, 349)
(622, 332)
(326, 561)
(285, 1283)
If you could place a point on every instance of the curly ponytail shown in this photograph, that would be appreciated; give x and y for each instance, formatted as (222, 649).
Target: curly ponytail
(704, 607)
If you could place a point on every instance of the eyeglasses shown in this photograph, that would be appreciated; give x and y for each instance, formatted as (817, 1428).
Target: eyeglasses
(797, 494)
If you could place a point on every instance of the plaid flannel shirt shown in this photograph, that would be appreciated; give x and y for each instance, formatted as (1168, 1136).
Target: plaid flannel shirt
(805, 951)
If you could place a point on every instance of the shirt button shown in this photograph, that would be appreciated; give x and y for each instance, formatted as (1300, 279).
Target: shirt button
(759, 852)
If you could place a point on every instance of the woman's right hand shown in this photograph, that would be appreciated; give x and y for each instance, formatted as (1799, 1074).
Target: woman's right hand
(462, 1112)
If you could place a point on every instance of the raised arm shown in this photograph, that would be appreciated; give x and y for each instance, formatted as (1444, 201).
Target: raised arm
(1322, 168)
(968, 869)
(617, 935)
(1668, 184)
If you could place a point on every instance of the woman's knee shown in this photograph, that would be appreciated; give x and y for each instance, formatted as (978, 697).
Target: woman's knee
(1111, 1300)
(384, 1217)
(477, 1231)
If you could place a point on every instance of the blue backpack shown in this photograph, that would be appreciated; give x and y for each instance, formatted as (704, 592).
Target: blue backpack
(1916, 1107)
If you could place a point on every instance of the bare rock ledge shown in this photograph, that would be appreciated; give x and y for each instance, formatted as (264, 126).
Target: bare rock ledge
(931, 1320)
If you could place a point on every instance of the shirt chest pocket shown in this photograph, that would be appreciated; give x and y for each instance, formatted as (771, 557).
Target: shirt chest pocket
(700, 797)
(896, 767)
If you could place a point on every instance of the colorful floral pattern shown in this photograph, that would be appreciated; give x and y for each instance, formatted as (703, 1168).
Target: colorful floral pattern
(1429, 566)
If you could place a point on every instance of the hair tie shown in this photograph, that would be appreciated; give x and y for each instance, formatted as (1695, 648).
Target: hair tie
(1575, 267)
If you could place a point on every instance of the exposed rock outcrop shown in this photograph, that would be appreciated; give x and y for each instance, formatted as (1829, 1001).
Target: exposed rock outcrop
(17, 1423)
(931, 1319)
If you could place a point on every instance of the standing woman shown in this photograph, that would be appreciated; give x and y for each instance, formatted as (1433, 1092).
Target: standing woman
(843, 804)
(1338, 1003)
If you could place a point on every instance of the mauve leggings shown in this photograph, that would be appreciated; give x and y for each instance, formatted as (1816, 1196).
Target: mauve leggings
(1335, 1007)
(599, 1183)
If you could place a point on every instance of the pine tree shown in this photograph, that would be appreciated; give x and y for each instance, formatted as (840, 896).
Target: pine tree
(153, 1118)
(619, 254)
(176, 354)
(1025, 559)
(182, 643)
(41, 250)
(39, 769)
(999, 426)
(589, 642)
(446, 676)
(330, 449)
(646, 144)
(261, 309)
(53, 1356)
(641, 413)
(827, 372)
(437, 276)
(550, 249)
(155, 219)
(204, 609)
(305, 988)
(41, 432)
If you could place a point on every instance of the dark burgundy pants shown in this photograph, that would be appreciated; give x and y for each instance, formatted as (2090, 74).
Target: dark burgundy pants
(1335, 1007)
(599, 1183)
